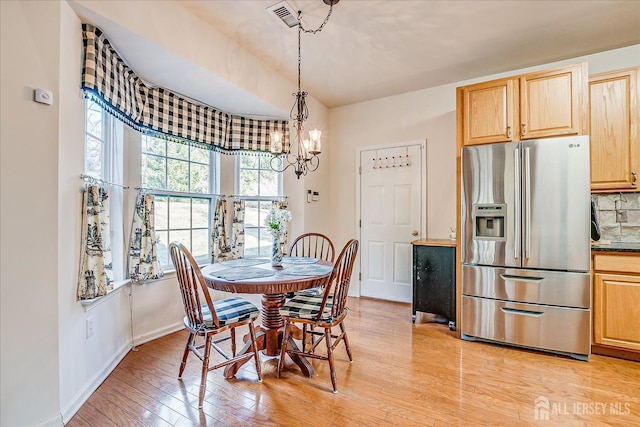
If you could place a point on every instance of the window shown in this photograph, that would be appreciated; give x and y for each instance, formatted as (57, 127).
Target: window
(181, 178)
(103, 159)
(260, 185)
(95, 139)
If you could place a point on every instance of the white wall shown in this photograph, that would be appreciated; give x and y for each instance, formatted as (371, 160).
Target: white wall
(30, 58)
(426, 114)
(84, 361)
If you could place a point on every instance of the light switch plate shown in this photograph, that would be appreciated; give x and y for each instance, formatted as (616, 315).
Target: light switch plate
(43, 96)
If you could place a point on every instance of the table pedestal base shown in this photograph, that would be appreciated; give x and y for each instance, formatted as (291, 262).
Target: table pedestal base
(269, 336)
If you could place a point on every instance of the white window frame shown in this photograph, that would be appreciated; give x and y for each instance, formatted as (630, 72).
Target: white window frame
(262, 251)
(112, 171)
(237, 178)
(213, 163)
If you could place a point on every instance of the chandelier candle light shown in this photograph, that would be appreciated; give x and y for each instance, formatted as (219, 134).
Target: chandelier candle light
(305, 156)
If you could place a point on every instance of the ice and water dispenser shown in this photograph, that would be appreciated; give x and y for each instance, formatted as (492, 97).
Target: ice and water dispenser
(489, 221)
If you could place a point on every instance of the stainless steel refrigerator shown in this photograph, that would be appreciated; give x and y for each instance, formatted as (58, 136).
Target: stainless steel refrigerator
(526, 244)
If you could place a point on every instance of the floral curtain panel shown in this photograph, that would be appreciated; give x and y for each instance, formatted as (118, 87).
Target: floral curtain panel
(143, 245)
(221, 249)
(284, 236)
(96, 273)
(110, 82)
(237, 229)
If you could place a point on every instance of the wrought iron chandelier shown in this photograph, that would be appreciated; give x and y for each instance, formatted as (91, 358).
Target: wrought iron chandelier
(304, 156)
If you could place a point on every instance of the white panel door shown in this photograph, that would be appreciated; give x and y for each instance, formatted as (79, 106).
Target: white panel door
(390, 211)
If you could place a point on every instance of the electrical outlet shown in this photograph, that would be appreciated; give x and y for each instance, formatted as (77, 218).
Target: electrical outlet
(621, 216)
(91, 326)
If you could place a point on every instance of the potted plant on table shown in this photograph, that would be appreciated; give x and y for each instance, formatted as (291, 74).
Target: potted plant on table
(276, 220)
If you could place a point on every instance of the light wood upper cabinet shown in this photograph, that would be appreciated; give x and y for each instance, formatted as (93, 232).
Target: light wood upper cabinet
(615, 131)
(490, 111)
(535, 105)
(554, 102)
(616, 300)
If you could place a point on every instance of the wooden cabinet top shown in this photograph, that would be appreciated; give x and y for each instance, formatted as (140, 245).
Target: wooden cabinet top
(617, 262)
(434, 242)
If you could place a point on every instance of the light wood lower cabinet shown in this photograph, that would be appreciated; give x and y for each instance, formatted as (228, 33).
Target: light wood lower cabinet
(616, 302)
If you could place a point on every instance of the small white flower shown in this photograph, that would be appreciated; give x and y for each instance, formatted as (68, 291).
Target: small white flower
(276, 220)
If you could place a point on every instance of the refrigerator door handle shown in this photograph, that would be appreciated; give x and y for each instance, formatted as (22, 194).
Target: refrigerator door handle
(510, 277)
(527, 203)
(521, 312)
(516, 190)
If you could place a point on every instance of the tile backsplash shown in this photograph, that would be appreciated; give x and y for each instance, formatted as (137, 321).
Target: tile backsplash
(615, 206)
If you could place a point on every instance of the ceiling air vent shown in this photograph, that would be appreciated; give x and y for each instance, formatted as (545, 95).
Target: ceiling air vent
(284, 13)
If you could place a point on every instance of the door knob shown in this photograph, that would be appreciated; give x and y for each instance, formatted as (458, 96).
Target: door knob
(414, 233)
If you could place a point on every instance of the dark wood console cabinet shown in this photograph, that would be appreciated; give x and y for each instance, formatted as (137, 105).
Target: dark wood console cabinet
(434, 279)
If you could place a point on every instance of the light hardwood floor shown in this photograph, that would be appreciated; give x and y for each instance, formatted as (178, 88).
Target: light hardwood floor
(402, 374)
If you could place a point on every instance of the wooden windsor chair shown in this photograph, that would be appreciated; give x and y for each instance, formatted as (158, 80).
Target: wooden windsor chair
(207, 319)
(314, 245)
(322, 311)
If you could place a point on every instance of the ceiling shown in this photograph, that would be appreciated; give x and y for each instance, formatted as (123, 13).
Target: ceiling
(374, 48)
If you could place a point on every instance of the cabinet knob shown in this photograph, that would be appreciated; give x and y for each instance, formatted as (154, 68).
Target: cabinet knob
(414, 233)
(634, 180)
(509, 131)
(524, 129)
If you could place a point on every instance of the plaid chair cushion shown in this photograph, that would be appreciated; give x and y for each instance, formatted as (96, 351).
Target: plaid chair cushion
(311, 291)
(306, 306)
(230, 310)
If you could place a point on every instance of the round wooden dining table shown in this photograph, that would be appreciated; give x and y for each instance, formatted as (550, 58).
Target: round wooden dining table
(228, 277)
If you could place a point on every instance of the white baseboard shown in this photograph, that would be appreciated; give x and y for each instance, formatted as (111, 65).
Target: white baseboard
(158, 333)
(70, 411)
(54, 421)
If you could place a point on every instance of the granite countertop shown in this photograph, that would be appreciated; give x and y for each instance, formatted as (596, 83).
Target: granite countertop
(615, 246)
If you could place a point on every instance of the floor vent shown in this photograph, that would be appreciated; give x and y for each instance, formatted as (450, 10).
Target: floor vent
(284, 13)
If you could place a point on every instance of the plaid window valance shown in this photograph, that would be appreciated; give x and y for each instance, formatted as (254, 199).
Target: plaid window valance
(107, 79)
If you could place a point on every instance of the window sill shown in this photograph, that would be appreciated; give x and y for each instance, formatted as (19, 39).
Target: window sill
(90, 304)
(167, 275)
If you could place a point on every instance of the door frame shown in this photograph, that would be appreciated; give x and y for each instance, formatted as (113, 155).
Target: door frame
(356, 290)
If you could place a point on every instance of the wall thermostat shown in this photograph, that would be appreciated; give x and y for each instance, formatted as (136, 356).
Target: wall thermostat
(44, 96)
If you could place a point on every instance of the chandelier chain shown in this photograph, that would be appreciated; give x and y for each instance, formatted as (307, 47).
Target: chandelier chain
(299, 43)
(317, 30)
(305, 158)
